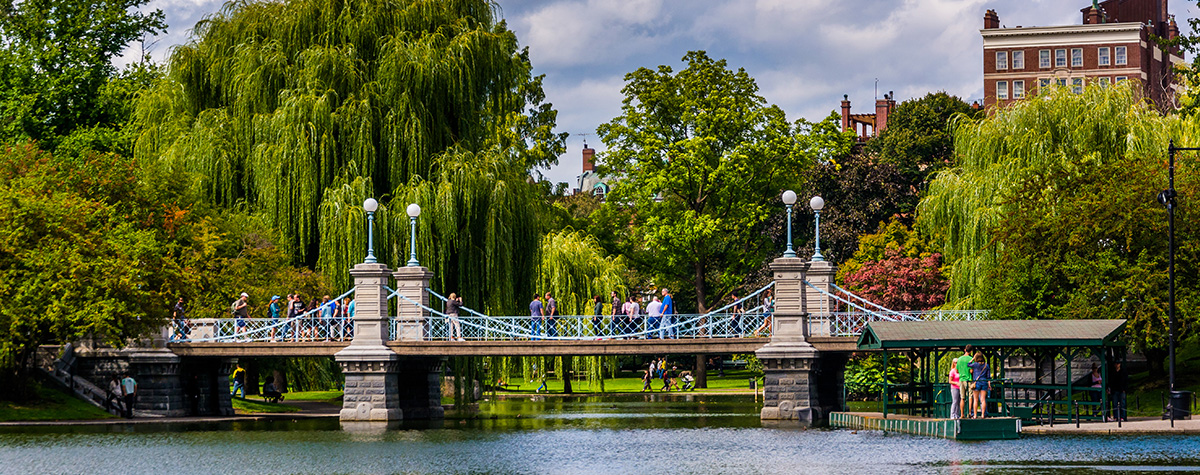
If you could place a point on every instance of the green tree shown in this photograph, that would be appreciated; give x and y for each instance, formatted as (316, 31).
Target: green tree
(697, 160)
(56, 67)
(301, 109)
(1052, 212)
(917, 139)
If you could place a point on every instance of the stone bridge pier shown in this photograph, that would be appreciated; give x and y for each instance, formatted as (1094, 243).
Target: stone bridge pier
(382, 386)
(801, 385)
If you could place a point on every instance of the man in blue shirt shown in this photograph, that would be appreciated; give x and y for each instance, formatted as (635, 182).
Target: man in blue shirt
(273, 312)
(535, 316)
(668, 315)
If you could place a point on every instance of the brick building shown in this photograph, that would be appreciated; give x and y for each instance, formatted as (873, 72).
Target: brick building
(866, 126)
(1113, 44)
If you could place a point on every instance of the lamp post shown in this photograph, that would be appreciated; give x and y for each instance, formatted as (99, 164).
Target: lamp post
(370, 205)
(789, 199)
(816, 203)
(413, 211)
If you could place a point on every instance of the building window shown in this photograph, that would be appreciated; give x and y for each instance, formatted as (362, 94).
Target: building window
(1121, 79)
(1120, 55)
(1018, 89)
(1001, 60)
(1001, 89)
(1018, 58)
(1102, 56)
(1060, 58)
(1044, 58)
(1077, 85)
(1076, 57)
(1062, 82)
(1104, 81)
(1043, 83)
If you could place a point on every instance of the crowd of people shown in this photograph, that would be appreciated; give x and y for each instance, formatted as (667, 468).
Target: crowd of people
(626, 318)
(322, 319)
(670, 377)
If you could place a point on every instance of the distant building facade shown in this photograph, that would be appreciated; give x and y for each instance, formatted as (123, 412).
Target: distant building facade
(589, 180)
(1113, 44)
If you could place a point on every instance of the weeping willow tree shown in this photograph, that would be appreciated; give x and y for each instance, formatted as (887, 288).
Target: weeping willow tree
(1051, 211)
(996, 155)
(301, 109)
(573, 269)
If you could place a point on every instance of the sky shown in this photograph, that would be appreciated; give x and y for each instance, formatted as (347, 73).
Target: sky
(804, 54)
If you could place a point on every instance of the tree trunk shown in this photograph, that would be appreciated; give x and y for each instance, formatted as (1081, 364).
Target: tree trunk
(568, 368)
(701, 372)
(251, 377)
(698, 281)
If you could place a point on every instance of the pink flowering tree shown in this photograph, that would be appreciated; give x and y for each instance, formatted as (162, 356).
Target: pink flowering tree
(901, 282)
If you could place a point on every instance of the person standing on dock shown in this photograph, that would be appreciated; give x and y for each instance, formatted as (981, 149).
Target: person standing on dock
(955, 394)
(981, 385)
(1117, 381)
(964, 381)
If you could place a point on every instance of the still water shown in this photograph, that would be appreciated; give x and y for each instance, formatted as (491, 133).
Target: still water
(651, 434)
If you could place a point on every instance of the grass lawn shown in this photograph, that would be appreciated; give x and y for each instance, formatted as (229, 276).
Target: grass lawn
(244, 406)
(332, 397)
(1145, 396)
(51, 404)
(630, 382)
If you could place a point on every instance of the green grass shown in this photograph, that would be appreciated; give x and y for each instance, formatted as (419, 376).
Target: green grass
(1145, 396)
(51, 404)
(245, 406)
(326, 396)
(630, 382)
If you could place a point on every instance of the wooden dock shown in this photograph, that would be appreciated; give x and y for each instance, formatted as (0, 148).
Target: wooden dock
(997, 428)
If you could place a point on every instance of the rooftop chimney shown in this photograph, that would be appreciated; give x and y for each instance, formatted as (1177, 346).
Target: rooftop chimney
(589, 158)
(882, 107)
(1091, 16)
(991, 20)
(845, 112)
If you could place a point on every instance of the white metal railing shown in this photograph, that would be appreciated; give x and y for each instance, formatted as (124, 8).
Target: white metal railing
(312, 325)
(852, 323)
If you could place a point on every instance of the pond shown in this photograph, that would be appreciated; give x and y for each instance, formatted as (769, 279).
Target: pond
(641, 434)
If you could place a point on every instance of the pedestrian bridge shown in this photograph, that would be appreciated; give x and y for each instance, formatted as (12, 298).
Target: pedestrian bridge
(742, 326)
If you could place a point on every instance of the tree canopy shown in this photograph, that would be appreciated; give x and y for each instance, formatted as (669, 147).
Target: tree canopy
(56, 67)
(1051, 212)
(697, 160)
(302, 109)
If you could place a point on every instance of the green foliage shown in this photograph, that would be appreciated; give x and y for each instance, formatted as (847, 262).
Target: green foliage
(753, 365)
(81, 252)
(301, 109)
(48, 404)
(864, 375)
(893, 235)
(56, 68)
(917, 139)
(1052, 213)
(696, 161)
(573, 269)
(860, 193)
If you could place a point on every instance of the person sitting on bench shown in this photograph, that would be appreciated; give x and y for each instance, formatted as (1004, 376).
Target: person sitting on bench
(270, 392)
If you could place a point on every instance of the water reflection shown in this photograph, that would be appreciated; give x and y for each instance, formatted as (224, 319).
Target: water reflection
(641, 434)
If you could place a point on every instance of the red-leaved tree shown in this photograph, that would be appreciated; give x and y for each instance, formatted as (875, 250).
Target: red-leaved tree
(900, 282)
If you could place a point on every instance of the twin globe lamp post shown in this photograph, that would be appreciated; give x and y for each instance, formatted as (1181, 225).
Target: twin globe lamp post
(414, 210)
(816, 203)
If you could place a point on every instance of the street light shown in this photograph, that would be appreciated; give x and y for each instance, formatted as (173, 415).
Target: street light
(816, 203)
(789, 199)
(370, 205)
(413, 211)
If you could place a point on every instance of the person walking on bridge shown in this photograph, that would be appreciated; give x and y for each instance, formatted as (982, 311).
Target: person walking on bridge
(182, 324)
(614, 323)
(667, 330)
(535, 318)
(634, 321)
(735, 318)
(273, 312)
(597, 317)
(241, 311)
(655, 317)
(551, 316)
(453, 303)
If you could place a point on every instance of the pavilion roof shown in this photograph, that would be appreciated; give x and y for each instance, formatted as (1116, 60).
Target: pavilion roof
(991, 333)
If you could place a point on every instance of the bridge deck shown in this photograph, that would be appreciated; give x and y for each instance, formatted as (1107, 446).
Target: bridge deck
(506, 348)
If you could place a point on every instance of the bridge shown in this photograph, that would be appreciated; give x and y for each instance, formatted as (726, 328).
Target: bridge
(392, 346)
